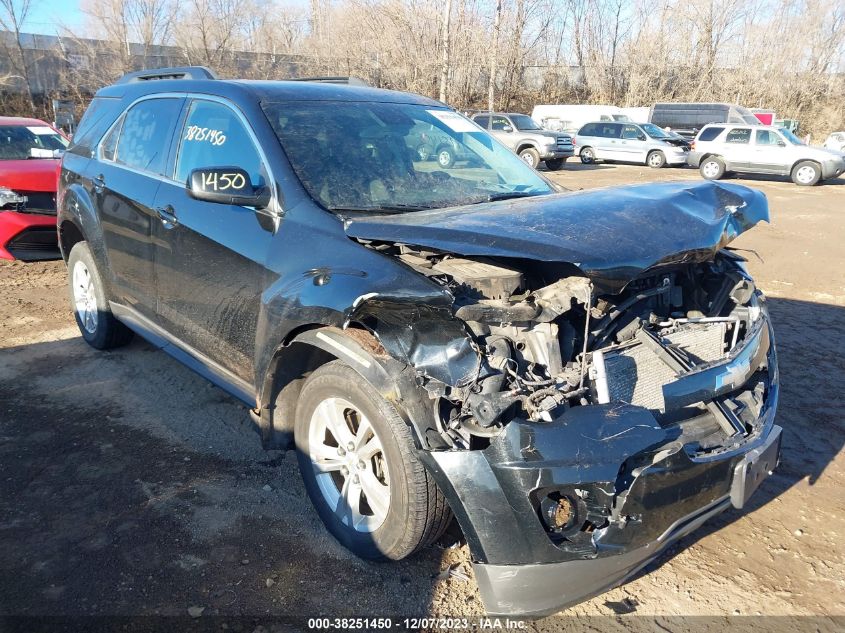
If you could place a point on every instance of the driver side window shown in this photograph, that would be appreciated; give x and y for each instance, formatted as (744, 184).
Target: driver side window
(500, 123)
(631, 132)
(213, 136)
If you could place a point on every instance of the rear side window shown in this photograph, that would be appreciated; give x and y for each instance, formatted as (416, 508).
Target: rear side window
(146, 133)
(483, 121)
(708, 134)
(609, 130)
(588, 130)
(214, 136)
(99, 115)
(738, 135)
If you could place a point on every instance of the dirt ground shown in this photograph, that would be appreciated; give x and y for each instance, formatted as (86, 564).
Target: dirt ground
(129, 485)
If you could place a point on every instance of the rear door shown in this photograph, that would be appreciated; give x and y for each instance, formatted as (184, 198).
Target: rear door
(738, 150)
(124, 180)
(608, 136)
(210, 257)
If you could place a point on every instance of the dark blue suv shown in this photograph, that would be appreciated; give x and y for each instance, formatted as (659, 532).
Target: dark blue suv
(580, 379)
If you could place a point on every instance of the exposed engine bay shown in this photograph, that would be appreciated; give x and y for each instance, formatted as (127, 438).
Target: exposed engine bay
(550, 344)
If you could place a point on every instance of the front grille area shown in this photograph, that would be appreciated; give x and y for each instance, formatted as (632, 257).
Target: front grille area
(636, 375)
(564, 142)
(39, 202)
(38, 242)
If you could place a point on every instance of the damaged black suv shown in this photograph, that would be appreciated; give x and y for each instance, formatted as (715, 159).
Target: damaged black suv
(581, 378)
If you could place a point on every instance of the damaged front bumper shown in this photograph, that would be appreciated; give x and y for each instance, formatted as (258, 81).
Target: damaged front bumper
(632, 487)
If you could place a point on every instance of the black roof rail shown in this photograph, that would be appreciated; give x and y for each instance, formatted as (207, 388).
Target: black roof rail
(179, 72)
(349, 81)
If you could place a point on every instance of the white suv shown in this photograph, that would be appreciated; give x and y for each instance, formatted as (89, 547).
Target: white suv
(761, 149)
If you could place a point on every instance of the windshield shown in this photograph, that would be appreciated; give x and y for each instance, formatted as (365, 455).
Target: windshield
(392, 157)
(790, 136)
(525, 122)
(655, 132)
(19, 142)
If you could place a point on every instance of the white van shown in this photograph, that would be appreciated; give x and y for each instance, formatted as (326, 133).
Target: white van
(570, 118)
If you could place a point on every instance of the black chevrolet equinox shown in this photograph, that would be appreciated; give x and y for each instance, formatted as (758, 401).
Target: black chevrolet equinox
(578, 378)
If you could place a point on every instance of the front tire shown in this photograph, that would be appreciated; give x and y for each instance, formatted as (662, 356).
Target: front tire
(655, 159)
(97, 324)
(445, 157)
(587, 156)
(712, 168)
(806, 173)
(530, 156)
(356, 457)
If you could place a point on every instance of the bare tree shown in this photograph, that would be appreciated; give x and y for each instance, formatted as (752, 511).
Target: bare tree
(13, 16)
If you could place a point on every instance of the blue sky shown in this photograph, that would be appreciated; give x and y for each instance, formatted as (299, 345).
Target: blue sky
(48, 16)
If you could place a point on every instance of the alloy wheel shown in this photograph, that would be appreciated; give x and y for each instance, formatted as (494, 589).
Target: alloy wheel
(350, 464)
(84, 297)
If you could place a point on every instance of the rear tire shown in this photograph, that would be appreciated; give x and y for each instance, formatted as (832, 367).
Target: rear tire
(553, 164)
(90, 303)
(587, 156)
(712, 168)
(806, 173)
(357, 461)
(655, 159)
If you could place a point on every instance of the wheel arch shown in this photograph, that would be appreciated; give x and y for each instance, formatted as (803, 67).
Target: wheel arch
(524, 145)
(806, 160)
(310, 347)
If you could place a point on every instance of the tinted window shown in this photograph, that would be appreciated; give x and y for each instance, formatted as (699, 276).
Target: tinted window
(738, 135)
(631, 132)
(99, 115)
(109, 144)
(213, 136)
(767, 137)
(608, 130)
(499, 123)
(710, 133)
(145, 135)
(483, 121)
(588, 130)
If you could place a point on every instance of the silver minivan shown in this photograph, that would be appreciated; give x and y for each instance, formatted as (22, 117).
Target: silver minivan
(642, 143)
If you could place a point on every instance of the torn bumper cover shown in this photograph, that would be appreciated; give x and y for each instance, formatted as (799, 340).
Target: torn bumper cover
(627, 487)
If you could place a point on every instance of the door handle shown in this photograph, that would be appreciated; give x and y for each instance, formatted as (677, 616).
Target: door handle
(99, 183)
(167, 215)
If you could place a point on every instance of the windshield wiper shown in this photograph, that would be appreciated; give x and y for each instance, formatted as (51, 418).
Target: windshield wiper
(393, 208)
(493, 197)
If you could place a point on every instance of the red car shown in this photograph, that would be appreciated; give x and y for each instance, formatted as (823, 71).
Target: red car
(30, 157)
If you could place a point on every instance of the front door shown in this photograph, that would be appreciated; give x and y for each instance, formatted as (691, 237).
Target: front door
(210, 256)
(632, 144)
(124, 181)
(769, 152)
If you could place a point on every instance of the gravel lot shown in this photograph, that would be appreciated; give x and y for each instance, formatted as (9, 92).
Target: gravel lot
(129, 485)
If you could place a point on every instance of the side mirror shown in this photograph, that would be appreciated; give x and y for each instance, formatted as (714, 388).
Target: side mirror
(507, 128)
(226, 185)
(781, 144)
(641, 137)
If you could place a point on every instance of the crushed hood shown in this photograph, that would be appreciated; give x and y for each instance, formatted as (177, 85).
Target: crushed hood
(613, 235)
